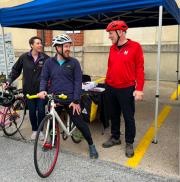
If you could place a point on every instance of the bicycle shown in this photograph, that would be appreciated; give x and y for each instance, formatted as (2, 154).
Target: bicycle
(76, 135)
(49, 147)
(13, 110)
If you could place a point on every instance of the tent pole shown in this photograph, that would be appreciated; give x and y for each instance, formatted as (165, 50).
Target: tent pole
(4, 51)
(73, 44)
(177, 84)
(158, 74)
(43, 38)
(179, 142)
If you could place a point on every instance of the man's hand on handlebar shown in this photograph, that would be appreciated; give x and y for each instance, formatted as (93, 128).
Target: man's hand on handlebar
(5, 85)
(42, 94)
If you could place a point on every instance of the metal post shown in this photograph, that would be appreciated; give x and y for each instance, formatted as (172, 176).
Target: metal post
(73, 44)
(43, 38)
(177, 83)
(158, 74)
(179, 144)
(4, 51)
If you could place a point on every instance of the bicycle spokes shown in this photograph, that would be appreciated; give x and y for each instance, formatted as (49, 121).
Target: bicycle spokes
(45, 152)
(14, 117)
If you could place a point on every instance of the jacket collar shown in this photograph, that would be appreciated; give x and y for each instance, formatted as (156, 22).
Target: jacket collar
(114, 46)
(40, 55)
(66, 60)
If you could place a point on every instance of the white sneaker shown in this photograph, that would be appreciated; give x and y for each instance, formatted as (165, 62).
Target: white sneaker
(33, 136)
(41, 136)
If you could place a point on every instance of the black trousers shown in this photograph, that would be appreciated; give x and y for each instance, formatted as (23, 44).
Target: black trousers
(121, 101)
(79, 123)
(36, 112)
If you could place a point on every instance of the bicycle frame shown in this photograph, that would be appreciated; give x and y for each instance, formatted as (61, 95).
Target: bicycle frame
(2, 112)
(57, 118)
(4, 109)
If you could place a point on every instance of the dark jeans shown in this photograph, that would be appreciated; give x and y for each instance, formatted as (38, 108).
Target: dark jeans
(122, 101)
(79, 123)
(36, 112)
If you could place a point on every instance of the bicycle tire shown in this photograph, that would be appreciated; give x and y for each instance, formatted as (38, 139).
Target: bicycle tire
(45, 168)
(14, 117)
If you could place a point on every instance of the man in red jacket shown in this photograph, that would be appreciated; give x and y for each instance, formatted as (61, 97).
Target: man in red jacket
(125, 81)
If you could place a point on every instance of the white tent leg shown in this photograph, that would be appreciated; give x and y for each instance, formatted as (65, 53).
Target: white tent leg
(177, 86)
(177, 83)
(158, 74)
(73, 45)
(4, 51)
(43, 38)
(179, 145)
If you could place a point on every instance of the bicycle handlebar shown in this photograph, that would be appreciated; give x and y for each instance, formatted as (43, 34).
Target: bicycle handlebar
(32, 96)
(61, 96)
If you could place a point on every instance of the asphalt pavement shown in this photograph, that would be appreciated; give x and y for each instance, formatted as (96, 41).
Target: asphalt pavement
(16, 165)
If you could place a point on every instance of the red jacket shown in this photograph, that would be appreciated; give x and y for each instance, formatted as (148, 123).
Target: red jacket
(126, 66)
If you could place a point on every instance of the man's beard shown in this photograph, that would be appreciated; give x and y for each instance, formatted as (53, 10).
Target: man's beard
(66, 54)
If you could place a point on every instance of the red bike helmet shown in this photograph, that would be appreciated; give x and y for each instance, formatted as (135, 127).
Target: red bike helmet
(117, 25)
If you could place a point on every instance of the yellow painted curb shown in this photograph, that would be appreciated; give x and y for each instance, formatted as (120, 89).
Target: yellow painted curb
(173, 96)
(147, 139)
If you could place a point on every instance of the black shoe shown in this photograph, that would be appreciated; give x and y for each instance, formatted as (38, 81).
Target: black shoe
(93, 154)
(129, 150)
(111, 142)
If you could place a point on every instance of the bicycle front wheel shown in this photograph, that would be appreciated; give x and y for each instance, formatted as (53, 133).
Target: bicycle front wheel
(14, 117)
(45, 153)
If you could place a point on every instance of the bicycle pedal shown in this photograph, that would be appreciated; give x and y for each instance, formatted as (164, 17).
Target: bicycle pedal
(47, 146)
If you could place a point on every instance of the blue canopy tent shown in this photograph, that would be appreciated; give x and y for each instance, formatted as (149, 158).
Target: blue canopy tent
(95, 14)
(88, 14)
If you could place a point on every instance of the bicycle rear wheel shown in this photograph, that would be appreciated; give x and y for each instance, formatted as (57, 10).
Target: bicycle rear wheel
(45, 154)
(14, 117)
